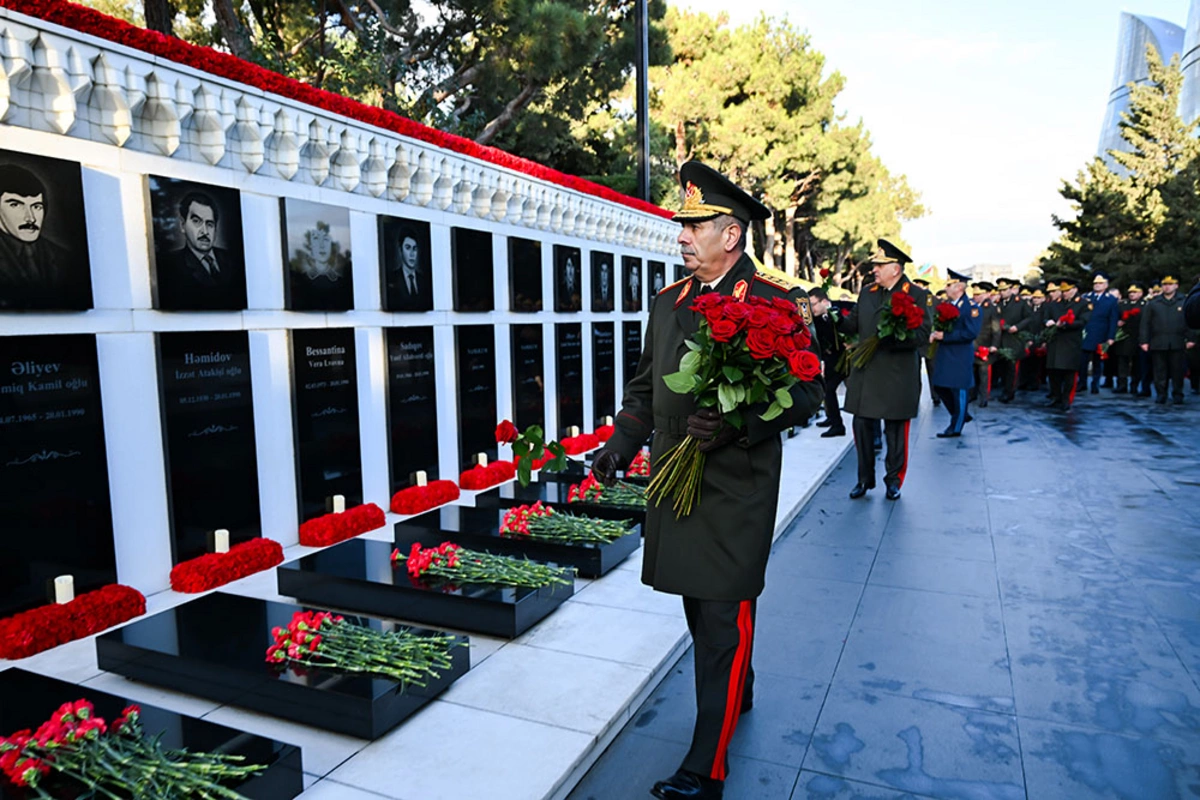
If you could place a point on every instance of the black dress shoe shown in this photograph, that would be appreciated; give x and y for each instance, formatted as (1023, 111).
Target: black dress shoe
(687, 785)
(824, 423)
(1161, 399)
(983, 403)
(1120, 390)
(967, 418)
(948, 434)
(832, 432)
(936, 402)
(877, 444)
(747, 705)
(1177, 400)
(893, 492)
(1095, 390)
(859, 490)
(1006, 399)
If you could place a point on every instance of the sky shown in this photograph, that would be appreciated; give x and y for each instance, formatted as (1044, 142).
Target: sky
(986, 106)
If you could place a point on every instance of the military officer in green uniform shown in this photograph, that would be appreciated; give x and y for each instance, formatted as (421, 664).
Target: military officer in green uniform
(1064, 351)
(1125, 345)
(888, 387)
(716, 556)
(1013, 318)
(989, 334)
(1165, 336)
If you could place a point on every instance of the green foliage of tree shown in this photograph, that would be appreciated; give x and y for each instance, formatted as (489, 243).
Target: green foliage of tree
(1136, 219)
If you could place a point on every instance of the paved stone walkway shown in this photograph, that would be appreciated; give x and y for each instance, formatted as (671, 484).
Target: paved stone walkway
(1023, 623)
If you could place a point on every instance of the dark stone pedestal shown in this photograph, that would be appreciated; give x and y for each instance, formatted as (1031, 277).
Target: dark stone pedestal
(358, 574)
(479, 529)
(30, 699)
(215, 647)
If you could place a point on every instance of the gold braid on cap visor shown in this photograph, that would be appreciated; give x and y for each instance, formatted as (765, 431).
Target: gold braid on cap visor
(694, 206)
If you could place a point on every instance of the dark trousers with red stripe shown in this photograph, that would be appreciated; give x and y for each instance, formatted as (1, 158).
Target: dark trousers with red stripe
(895, 436)
(1062, 385)
(723, 634)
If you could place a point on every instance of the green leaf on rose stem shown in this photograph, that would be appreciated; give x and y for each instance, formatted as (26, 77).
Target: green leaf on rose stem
(690, 363)
(520, 449)
(734, 418)
(680, 382)
(732, 373)
(773, 411)
(728, 398)
(524, 472)
(534, 434)
(691, 345)
(783, 397)
(740, 392)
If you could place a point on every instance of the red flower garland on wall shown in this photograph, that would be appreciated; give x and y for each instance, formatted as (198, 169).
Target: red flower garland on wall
(223, 65)
(478, 477)
(417, 499)
(605, 432)
(217, 569)
(38, 629)
(330, 529)
(577, 445)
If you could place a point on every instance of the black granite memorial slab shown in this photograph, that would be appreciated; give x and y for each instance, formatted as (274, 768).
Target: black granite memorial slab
(199, 261)
(328, 457)
(604, 370)
(551, 489)
(215, 646)
(471, 259)
(208, 431)
(524, 275)
(634, 286)
(603, 281)
(316, 256)
(404, 248)
(568, 278)
(479, 529)
(631, 347)
(657, 277)
(529, 376)
(475, 347)
(680, 272)
(568, 355)
(44, 261)
(412, 405)
(54, 498)
(30, 699)
(359, 575)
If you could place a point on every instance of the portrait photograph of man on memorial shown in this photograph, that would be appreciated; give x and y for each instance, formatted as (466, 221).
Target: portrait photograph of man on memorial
(602, 282)
(631, 274)
(198, 258)
(317, 256)
(404, 248)
(568, 291)
(658, 277)
(44, 263)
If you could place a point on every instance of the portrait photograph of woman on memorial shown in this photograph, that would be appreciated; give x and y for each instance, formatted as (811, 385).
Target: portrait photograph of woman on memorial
(317, 256)
(44, 262)
(602, 282)
(404, 248)
(631, 274)
(198, 261)
(568, 280)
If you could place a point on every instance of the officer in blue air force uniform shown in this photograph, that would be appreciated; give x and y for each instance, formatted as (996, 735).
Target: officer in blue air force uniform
(954, 362)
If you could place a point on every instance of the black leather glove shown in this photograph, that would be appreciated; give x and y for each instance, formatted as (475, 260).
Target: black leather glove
(710, 428)
(605, 465)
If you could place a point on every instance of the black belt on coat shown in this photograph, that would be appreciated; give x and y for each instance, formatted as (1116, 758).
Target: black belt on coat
(672, 426)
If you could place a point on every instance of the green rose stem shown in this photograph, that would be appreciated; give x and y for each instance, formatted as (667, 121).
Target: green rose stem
(474, 566)
(557, 526)
(681, 471)
(402, 655)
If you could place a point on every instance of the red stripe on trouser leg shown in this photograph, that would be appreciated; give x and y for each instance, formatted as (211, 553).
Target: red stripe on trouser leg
(989, 385)
(904, 469)
(1074, 386)
(737, 683)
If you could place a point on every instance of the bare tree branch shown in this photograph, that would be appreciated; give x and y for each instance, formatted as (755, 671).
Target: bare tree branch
(505, 117)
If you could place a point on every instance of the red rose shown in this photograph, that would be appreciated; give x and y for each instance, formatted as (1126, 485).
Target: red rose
(802, 338)
(785, 346)
(712, 313)
(783, 324)
(506, 433)
(706, 302)
(738, 313)
(805, 365)
(723, 330)
(761, 343)
(758, 317)
(824, 273)
(947, 312)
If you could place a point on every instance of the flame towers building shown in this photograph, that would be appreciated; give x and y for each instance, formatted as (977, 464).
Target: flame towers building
(1137, 32)
(1189, 100)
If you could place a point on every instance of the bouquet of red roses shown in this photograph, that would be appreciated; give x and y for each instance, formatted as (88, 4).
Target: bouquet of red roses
(944, 317)
(896, 319)
(1127, 316)
(982, 353)
(743, 354)
(1066, 319)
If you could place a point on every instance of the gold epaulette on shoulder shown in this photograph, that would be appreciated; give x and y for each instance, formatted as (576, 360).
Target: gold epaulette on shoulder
(778, 283)
(673, 285)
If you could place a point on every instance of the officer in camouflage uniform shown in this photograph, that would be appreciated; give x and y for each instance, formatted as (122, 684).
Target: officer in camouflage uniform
(716, 556)
(888, 387)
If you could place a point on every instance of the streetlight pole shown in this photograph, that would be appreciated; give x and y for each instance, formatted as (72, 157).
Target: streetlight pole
(642, 69)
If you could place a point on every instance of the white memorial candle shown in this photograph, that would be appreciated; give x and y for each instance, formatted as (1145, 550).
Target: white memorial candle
(339, 503)
(573, 431)
(422, 478)
(221, 541)
(608, 420)
(64, 589)
(481, 459)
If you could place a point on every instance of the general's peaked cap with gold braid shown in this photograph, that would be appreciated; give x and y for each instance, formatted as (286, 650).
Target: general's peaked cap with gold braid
(888, 253)
(708, 194)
